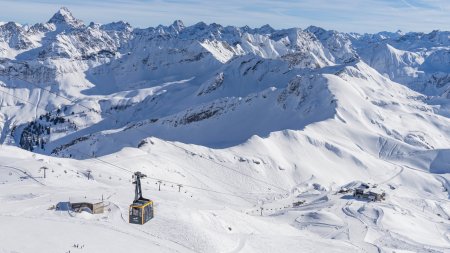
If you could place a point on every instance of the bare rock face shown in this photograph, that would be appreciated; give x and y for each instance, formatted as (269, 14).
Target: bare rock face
(65, 18)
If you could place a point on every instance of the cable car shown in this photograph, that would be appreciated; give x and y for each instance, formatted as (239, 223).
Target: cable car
(141, 210)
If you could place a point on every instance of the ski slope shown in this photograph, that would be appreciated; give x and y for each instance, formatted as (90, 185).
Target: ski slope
(235, 126)
(195, 220)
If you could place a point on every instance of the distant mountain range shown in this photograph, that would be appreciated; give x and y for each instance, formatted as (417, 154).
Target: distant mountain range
(68, 87)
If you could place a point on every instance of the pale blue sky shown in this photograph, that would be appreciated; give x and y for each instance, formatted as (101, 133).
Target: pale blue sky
(342, 15)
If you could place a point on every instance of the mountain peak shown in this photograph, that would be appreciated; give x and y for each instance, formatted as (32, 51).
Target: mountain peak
(11, 25)
(64, 16)
(265, 29)
(178, 25)
(117, 26)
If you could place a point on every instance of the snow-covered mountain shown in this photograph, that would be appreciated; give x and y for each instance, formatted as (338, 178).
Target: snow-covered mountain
(134, 76)
(272, 115)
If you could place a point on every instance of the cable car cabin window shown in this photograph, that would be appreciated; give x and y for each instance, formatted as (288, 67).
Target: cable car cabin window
(148, 212)
(135, 211)
(136, 215)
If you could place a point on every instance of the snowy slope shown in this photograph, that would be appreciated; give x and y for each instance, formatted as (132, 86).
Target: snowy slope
(206, 221)
(243, 118)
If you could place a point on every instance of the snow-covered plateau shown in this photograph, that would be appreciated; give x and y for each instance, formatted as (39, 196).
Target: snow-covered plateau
(252, 139)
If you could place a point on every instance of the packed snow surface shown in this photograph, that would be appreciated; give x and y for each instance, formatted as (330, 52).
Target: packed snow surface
(252, 140)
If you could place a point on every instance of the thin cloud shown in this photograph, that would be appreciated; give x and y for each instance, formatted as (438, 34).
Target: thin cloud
(408, 4)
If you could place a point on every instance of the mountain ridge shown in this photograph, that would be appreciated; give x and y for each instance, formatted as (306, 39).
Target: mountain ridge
(106, 71)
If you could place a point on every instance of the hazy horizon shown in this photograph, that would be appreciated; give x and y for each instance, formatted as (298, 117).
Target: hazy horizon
(343, 15)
